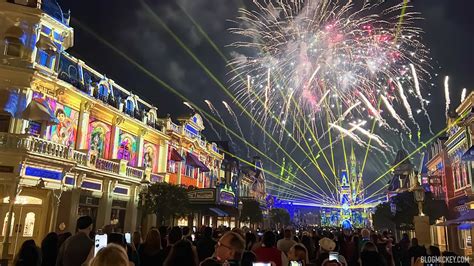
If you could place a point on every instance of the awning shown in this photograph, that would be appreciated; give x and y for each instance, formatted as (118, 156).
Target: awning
(219, 212)
(175, 156)
(467, 216)
(468, 155)
(192, 160)
(39, 110)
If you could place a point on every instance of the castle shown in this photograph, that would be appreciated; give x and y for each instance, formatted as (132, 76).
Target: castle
(351, 195)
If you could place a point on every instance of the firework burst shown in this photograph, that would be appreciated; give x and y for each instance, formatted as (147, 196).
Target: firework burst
(315, 66)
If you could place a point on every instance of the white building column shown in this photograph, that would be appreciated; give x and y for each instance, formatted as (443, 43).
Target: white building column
(114, 136)
(141, 141)
(132, 210)
(105, 204)
(83, 126)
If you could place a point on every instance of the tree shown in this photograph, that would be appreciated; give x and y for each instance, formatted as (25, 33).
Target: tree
(280, 216)
(251, 212)
(166, 201)
(407, 209)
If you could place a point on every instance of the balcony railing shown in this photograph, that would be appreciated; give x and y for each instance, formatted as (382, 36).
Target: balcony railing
(34, 145)
(107, 166)
(134, 172)
(80, 157)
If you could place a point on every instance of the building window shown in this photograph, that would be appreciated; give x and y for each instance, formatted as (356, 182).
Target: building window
(45, 59)
(29, 224)
(172, 166)
(4, 123)
(189, 171)
(13, 47)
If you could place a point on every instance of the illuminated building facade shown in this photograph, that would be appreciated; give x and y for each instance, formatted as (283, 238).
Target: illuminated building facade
(352, 210)
(74, 142)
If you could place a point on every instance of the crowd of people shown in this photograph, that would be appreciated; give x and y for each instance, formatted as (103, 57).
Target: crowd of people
(183, 246)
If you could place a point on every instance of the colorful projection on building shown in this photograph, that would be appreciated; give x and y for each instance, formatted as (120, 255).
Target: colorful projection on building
(127, 149)
(99, 138)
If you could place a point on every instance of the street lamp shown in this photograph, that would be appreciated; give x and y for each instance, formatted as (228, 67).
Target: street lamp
(240, 206)
(144, 184)
(419, 194)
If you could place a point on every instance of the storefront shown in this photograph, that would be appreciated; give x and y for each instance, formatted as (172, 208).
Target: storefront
(213, 207)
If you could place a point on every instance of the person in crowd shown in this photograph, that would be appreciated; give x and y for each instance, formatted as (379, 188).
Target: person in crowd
(49, 249)
(287, 242)
(210, 262)
(137, 239)
(308, 244)
(119, 239)
(370, 256)
(111, 255)
(269, 253)
(182, 253)
(415, 251)
(404, 245)
(75, 250)
(63, 237)
(187, 233)
(327, 245)
(164, 235)
(299, 253)
(150, 251)
(328, 262)
(251, 241)
(365, 237)
(28, 255)
(174, 236)
(248, 258)
(348, 247)
(229, 248)
(205, 245)
(239, 231)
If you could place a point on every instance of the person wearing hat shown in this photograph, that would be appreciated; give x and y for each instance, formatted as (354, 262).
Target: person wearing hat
(75, 250)
(327, 245)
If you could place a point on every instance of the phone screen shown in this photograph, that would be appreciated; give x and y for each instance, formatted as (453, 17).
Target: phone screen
(295, 263)
(261, 264)
(334, 256)
(193, 237)
(128, 238)
(100, 243)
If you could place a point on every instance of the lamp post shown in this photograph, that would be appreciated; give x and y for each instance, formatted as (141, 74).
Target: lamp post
(240, 206)
(419, 194)
(144, 184)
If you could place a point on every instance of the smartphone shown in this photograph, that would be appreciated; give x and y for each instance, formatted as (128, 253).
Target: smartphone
(194, 229)
(334, 256)
(128, 238)
(295, 263)
(100, 243)
(193, 237)
(261, 264)
(260, 234)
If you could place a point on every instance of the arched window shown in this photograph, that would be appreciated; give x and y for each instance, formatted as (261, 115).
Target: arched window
(103, 91)
(5, 223)
(129, 107)
(14, 41)
(29, 227)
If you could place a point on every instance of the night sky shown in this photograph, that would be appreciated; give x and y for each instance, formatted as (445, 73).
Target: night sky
(129, 27)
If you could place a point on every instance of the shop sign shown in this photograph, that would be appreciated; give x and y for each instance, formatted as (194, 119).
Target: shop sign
(92, 185)
(43, 173)
(226, 198)
(202, 195)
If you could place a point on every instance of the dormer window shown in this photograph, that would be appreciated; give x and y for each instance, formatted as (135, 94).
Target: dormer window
(46, 53)
(14, 41)
(129, 107)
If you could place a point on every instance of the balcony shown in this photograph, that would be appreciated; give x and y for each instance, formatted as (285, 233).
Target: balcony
(34, 145)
